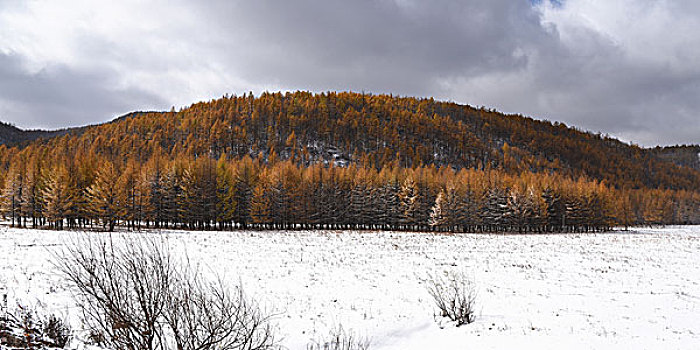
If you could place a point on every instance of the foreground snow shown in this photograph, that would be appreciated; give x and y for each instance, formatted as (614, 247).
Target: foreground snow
(633, 290)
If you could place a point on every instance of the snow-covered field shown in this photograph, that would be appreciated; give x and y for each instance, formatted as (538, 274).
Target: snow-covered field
(625, 290)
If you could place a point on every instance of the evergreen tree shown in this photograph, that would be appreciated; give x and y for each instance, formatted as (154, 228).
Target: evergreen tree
(127, 185)
(57, 197)
(31, 200)
(106, 202)
(494, 211)
(555, 211)
(152, 185)
(225, 193)
(13, 193)
(409, 203)
(438, 213)
(359, 202)
(260, 204)
(173, 202)
(521, 208)
(451, 207)
(244, 183)
(467, 211)
(199, 190)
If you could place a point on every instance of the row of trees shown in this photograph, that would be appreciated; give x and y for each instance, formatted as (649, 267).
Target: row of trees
(202, 193)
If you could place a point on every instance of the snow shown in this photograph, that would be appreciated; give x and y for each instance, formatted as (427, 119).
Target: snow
(632, 290)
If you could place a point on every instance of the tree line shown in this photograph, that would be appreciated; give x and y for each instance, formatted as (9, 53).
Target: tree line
(200, 193)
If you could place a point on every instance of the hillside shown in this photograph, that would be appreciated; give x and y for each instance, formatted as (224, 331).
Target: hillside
(687, 155)
(376, 130)
(11, 135)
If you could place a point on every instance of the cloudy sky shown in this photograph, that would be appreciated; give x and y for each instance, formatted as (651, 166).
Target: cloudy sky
(628, 68)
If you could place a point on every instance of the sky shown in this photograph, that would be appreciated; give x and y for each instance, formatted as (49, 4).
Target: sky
(626, 68)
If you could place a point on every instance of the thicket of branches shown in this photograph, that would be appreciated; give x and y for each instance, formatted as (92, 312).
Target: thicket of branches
(134, 294)
(340, 339)
(454, 295)
(25, 327)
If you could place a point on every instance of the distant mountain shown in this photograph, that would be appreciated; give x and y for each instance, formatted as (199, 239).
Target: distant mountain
(11, 135)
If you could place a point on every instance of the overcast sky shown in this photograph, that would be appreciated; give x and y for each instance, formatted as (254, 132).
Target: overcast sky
(629, 68)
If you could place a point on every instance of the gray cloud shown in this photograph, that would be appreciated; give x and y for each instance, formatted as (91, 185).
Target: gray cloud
(58, 96)
(627, 68)
(383, 46)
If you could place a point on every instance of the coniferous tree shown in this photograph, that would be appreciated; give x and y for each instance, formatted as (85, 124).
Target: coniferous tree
(105, 201)
(521, 207)
(388, 211)
(438, 216)
(173, 197)
(244, 183)
(152, 185)
(573, 212)
(127, 185)
(144, 207)
(31, 195)
(57, 197)
(260, 205)
(409, 202)
(13, 193)
(199, 190)
(451, 207)
(359, 202)
(83, 170)
(225, 193)
(278, 201)
(494, 212)
(555, 211)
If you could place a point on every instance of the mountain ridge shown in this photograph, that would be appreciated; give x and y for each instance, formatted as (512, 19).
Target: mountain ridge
(12, 135)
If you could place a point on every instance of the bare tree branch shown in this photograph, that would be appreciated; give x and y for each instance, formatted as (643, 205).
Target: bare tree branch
(135, 296)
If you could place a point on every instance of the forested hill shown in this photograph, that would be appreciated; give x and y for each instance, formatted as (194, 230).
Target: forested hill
(343, 161)
(374, 131)
(12, 135)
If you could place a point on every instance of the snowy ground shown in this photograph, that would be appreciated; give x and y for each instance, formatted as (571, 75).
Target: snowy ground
(625, 290)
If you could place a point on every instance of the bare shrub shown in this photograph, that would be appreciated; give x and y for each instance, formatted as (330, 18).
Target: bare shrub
(57, 331)
(340, 339)
(454, 295)
(121, 290)
(134, 295)
(207, 315)
(20, 328)
(28, 328)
